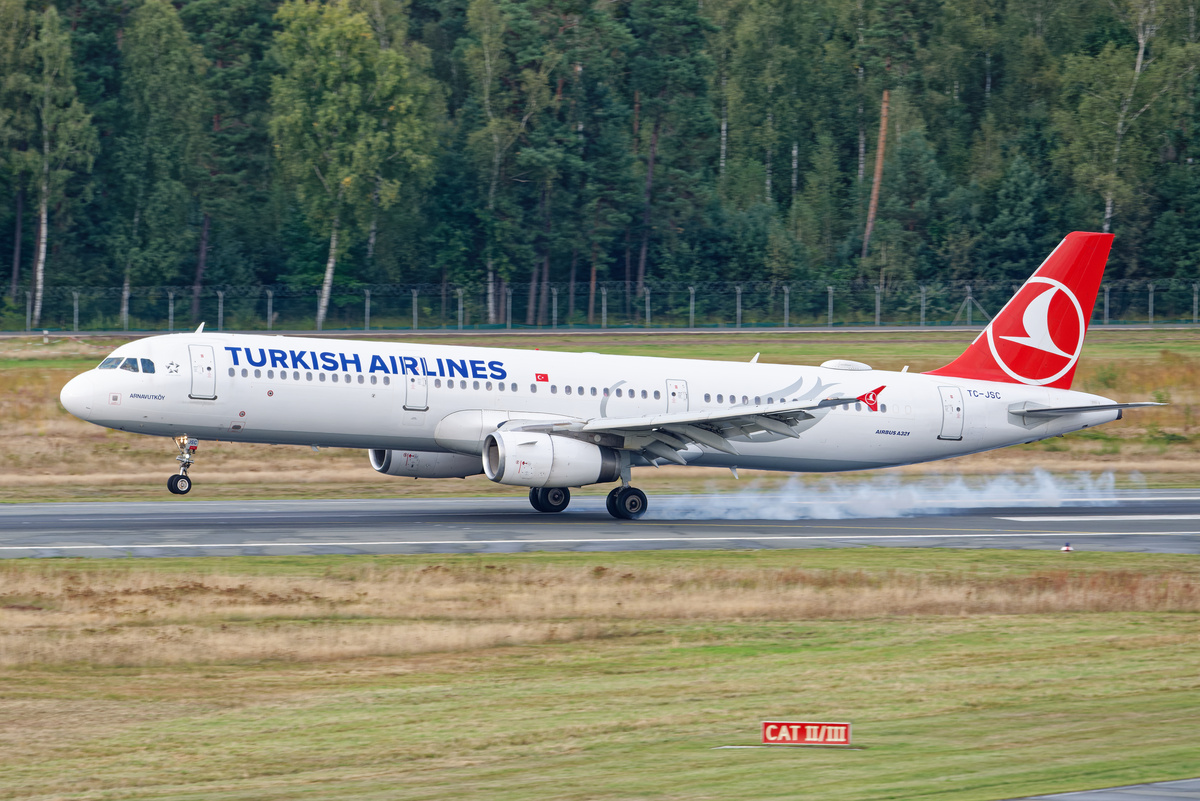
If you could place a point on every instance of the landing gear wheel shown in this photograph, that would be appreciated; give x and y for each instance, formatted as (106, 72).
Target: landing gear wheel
(179, 484)
(553, 499)
(611, 501)
(535, 499)
(629, 504)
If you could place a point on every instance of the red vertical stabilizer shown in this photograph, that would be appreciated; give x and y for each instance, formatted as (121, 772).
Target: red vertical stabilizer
(1037, 337)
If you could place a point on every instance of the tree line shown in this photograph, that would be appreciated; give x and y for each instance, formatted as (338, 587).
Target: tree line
(533, 144)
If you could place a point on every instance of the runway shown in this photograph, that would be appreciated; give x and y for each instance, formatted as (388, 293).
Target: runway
(1154, 521)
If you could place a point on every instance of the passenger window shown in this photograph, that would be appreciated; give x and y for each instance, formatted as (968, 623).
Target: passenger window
(462, 384)
(374, 379)
(347, 378)
(554, 389)
(657, 395)
(593, 392)
(474, 385)
(283, 374)
(770, 401)
(533, 389)
(745, 401)
(270, 374)
(320, 377)
(110, 363)
(258, 373)
(130, 365)
(334, 378)
(618, 393)
(757, 400)
(720, 398)
(858, 407)
(883, 408)
(231, 372)
(488, 386)
(386, 380)
(361, 379)
(643, 394)
(308, 377)
(580, 390)
(707, 398)
(568, 389)
(513, 386)
(295, 375)
(606, 392)
(500, 386)
(147, 366)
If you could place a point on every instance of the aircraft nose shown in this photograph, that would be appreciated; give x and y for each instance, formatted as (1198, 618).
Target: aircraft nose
(76, 396)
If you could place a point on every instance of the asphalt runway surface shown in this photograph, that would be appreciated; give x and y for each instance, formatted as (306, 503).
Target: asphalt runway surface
(1153, 521)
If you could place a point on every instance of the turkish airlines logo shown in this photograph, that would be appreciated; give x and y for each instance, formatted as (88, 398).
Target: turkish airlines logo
(1038, 336)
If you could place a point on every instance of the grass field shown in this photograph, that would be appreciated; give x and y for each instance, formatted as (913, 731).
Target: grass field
(48, 455)
(967, 675)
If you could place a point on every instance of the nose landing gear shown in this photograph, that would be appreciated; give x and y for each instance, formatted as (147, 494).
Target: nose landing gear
(180, 484)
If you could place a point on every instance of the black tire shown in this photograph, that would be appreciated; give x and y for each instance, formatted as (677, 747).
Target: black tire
(630, 503)
(611, 501)
(535, 499)
(554, 499)
(172, 482)
(183, 485)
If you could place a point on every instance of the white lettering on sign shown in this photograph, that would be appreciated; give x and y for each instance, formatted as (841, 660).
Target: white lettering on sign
(803, 733)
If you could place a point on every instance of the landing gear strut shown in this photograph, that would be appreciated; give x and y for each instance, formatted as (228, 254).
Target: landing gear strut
(549, 499)
(626, 503)
(180, 484)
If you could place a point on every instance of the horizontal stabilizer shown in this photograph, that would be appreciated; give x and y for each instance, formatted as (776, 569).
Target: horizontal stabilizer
(1036, 410)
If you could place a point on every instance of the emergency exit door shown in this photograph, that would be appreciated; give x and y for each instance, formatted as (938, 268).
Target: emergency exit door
(416, 396)
(677, 396)
(952, 413)
(204, 372)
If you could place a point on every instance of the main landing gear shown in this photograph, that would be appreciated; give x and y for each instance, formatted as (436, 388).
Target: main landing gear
(549, 499)
(180, 484)
(626, 503)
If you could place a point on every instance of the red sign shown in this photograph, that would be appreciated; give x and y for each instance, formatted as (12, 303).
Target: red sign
(778, 732)
(541, 377)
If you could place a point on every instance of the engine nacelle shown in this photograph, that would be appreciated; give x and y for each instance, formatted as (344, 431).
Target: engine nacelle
(543, 460)
(424, 464)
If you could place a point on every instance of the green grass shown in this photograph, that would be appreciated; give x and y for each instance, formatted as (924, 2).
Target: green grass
(963, 708)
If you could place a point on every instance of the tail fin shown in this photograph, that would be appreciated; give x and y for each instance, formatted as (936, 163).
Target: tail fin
(1037, 337)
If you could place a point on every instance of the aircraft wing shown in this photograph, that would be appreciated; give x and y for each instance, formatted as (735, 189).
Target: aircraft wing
(664, 435)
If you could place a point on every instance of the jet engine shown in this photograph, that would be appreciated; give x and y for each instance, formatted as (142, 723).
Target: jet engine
(543, 460)
(424, 464)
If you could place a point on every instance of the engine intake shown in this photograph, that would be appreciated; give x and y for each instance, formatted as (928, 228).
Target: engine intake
(544, 460)
(424, 464)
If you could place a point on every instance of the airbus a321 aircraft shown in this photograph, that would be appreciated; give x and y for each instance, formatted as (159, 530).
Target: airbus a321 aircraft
(552, 421)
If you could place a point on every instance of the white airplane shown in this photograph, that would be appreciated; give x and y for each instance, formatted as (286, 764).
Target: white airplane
(552, 421)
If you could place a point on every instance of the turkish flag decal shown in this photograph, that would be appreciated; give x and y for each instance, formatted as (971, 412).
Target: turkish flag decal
(541, 377)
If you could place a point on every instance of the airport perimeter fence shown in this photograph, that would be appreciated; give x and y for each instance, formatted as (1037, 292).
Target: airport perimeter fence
(614, 305)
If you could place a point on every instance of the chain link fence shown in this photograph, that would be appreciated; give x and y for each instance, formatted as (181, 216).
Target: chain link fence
(613, 305)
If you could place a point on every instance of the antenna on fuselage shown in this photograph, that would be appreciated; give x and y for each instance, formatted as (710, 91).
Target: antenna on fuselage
(200, 330)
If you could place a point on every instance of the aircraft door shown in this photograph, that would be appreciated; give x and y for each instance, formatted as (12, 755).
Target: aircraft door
(952, 413)
(204, 372)
(417, 394)
(677, 395)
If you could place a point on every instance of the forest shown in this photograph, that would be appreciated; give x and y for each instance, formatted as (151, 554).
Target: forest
(519, 150)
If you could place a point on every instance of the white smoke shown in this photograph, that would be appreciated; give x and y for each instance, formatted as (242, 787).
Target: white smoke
(887, 496)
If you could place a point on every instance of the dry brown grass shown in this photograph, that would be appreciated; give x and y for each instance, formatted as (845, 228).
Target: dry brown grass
(53, 614)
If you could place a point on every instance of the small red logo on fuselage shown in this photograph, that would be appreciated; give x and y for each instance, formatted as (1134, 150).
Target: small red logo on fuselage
(872, 398)
(541, 377)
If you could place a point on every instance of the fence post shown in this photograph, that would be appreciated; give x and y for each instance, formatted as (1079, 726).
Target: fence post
(646, 292)
(922, 306)
(460, 308)
(878, 295)
(75, 317)
(170, 310)
(414, 309)
(691, 307)
(1106, 304)
(830, 306)
(220, 310)
(270, 308)
(787, 297)
(739, 307)
(508, 306)
(125, 296)
(970, 304)
(604, 307)
(554, 306)
(367, 310)
(1152, 304)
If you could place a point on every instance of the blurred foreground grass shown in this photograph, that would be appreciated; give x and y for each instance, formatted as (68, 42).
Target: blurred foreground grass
(967, 675)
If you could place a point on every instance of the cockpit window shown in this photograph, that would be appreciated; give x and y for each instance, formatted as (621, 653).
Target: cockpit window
(130, 364)
(110, 363)
(147, 366)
